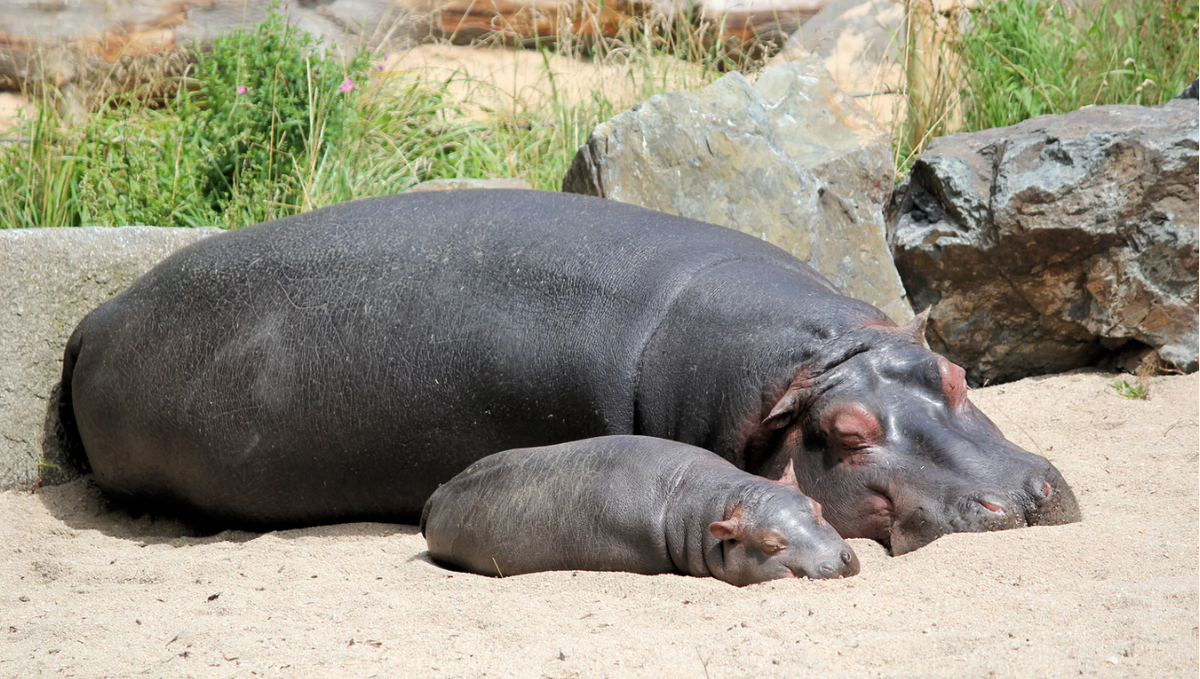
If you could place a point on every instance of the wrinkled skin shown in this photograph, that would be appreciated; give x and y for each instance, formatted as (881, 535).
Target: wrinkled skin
(892, 446)
(780, 535)
(880, 429)
(340, 364)
(629, 503)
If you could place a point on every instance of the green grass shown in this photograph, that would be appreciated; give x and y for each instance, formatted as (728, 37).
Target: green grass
(290, 139)
(1033, 57)
(270, 127)
(267, 126)
(1025, 59)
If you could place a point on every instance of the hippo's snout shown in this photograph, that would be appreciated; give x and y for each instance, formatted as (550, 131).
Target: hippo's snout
(849, 564)
(991, 512)
(843, 565)
(1044, 499)
(1054, 501)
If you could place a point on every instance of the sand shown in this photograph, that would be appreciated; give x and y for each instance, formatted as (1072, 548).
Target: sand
(487, 81)
(12, 107)
(87, 590)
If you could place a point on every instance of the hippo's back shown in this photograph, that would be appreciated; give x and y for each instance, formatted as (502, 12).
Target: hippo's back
(339, 364)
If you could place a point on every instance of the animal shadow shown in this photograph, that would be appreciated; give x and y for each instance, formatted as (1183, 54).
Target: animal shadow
(68, 490)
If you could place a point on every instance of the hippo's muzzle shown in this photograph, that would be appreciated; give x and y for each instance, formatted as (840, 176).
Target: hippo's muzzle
(1044, 499)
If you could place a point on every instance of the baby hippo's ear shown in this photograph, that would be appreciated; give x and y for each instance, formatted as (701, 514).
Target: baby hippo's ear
(732, 528)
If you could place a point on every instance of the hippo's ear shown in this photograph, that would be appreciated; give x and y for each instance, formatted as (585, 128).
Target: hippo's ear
(732, 528)
(784, 411)
(916, 327)
(789, 476)
(788, 406)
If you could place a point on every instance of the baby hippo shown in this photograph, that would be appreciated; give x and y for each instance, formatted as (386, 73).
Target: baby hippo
(629, 503)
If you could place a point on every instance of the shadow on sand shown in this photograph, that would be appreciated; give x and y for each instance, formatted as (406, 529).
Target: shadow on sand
(81, 505)
(67, 490)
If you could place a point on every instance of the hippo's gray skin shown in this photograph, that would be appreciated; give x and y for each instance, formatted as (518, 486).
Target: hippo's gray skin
(629, 503)
(340, 364)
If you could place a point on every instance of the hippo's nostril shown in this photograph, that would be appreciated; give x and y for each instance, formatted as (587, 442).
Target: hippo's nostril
(1054, 503)
(849, 565)
(826, 570)
(991, 507)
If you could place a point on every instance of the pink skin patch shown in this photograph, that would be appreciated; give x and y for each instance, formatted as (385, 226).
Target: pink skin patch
(870, 517)
(954, 383)
(880, 509)
(851, 431)
(992, 507)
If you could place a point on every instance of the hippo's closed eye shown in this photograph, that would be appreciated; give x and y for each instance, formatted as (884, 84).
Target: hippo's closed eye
(851, 430)
(770, 546)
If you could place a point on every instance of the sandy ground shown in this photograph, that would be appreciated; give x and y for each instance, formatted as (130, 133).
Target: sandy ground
(12, 106)
(89, 591)
(497, 80)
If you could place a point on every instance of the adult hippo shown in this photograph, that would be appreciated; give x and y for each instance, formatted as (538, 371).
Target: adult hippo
(338, 365)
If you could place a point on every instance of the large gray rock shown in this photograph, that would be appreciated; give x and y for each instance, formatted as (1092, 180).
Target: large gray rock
(857, 40)
(789, 159)
(1060, 242)
(51, 279)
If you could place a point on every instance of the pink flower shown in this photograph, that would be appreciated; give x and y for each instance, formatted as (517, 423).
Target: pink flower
(347, 86)
(241, 89)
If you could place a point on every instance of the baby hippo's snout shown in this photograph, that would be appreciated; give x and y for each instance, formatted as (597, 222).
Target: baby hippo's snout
(826, 566)
(774, 531)
(843, 565)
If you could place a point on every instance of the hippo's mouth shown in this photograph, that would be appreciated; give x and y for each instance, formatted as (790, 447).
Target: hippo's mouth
(874, 517)
(883, 511)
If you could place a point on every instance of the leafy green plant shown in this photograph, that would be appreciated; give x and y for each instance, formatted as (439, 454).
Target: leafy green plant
(271, 106)
(1128, 390)
(1024, 59)
(37, 177)
(267, 99)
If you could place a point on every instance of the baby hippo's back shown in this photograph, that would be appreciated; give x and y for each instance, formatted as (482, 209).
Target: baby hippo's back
(628, 503)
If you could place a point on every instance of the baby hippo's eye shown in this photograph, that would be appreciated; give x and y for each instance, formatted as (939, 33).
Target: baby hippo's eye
(771, 547)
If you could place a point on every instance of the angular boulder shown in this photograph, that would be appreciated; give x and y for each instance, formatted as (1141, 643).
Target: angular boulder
(51, 279)
(789, 159)
(861, 43)
(1064, 241)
